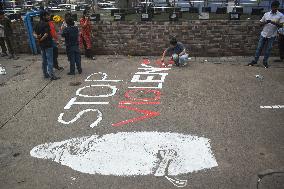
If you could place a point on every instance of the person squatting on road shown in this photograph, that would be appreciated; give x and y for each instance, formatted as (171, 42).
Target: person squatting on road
(44, 38)
(7, 36)
(281, 44)
(177, 51)
(71, 33)
(85, 35)
(271, 21)
(55, 43)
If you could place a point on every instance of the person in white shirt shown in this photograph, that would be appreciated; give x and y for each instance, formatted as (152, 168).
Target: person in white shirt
(271, 21)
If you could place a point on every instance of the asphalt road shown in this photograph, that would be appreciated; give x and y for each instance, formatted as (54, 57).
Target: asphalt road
(215, 99)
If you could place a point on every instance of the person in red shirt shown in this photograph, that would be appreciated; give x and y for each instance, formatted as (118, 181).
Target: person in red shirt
(85, 35)
(55, 43)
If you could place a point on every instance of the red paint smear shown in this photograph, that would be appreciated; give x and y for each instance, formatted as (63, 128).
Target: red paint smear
(146, 61)
(146, 91)
(163, 64)
(147, 114)
(138, 103)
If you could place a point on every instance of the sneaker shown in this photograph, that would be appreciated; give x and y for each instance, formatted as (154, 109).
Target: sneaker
(71, 73)
(252, 63)
(54, 78)
(184, 64)
(94, 58)
(79, 71)
(265, 65)
(4, 54)
(59, 68)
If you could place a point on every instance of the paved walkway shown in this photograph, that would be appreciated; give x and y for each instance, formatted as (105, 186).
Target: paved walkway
(121, 124)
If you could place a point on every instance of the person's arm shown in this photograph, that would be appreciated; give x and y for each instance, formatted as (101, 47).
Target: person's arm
(43, 37)
(164, 54)
(182, 52)
(263, 21)
(278, 25)
(63, 25)
(63, 34)
(86, 23)
(46, 33)
(36, 35)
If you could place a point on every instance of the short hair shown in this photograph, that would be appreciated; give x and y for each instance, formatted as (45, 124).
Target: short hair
(173, 41)
(70, 21)
(67, 14)
(43, 14)
(275, 4)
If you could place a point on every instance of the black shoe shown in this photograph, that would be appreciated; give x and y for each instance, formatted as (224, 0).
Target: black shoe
(265, 65)
(252, 63)
(54, 78)
(70, 73)
(79, 71)
(59, 68)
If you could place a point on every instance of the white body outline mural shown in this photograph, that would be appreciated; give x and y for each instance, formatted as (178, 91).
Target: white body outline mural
(134, 153)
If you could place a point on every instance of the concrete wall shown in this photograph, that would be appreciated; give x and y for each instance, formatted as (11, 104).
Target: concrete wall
(203, 38)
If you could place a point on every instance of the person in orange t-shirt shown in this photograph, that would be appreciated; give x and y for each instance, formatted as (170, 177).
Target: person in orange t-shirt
(55, 43)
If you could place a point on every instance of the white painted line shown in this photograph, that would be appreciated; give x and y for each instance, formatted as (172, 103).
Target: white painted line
(104, 78)
(272, 107)
(134, 153)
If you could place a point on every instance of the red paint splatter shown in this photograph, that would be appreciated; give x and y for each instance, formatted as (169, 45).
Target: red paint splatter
(157, 93)
(146, 61)
(147, 114)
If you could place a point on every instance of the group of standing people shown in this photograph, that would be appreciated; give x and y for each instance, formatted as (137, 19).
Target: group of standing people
(46, 35)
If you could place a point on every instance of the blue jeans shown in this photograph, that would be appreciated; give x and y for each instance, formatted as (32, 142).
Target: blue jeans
(74, 57)
(47, 61)
(180, 60)
(261, 43)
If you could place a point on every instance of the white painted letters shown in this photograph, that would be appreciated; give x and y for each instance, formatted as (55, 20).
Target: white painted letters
(114, 89)
(95, 123)
(104, 78)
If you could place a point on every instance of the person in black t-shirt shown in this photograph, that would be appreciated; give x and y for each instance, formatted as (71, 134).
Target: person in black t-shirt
(71, 33)
(44, 38)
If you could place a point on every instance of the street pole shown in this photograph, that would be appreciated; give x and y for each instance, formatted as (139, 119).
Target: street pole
(146, 6)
